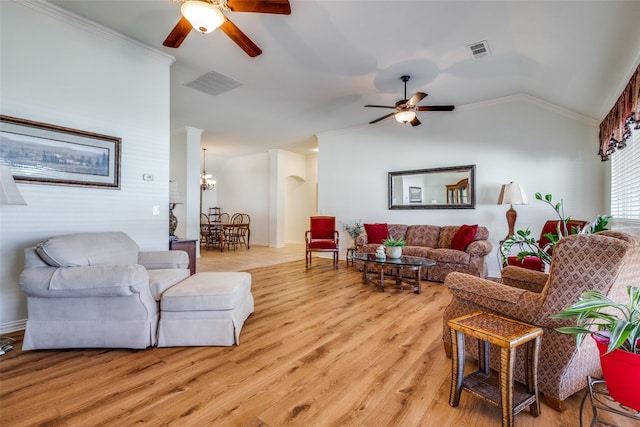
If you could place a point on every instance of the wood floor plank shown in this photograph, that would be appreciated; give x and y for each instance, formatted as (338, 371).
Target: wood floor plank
(321, 349)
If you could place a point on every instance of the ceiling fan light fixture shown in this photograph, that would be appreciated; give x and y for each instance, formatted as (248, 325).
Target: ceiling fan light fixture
(202, 16)
(405, 116)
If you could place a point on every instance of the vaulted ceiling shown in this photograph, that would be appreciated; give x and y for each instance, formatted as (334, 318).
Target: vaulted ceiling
(324, 62)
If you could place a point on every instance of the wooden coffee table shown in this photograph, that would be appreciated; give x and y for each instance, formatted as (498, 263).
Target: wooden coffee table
(393, 268)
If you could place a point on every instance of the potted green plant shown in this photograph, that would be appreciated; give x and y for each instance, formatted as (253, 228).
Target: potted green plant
(529, 245)
(354, 231)
(616, 329)
(393, 247)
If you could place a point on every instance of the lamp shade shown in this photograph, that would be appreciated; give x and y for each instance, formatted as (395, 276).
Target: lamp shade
(512, 194)
(405, 116)
(9, 193)
(202, 16)
(174, 193)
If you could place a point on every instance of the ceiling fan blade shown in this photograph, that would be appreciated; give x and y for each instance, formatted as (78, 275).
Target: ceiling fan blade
(280, 7)
(381, 118)
(415, 121)
(419, 96)
(178, 34)
(436, 108)
(240, 38)
(380, 106)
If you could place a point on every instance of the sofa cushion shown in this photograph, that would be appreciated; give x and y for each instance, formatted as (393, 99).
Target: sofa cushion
(449, 256)
(208, 291)
(99, 276)
(84, 281)
(397, 231)
(416, 251)
(464, 236)
(107, 248)
(376, 233)
(322, 244)
(159, 260)
(162, 279)
(423, 235)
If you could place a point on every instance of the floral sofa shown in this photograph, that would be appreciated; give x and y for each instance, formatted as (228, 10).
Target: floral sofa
(435, 242)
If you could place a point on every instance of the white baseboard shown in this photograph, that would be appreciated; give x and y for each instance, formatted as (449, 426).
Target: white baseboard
(16, 325)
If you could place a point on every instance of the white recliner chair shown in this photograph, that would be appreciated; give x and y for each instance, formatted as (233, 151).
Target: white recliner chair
(96, 290)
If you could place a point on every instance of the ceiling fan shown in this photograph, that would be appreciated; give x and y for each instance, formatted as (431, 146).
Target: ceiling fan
(406, 108)
(206, 15)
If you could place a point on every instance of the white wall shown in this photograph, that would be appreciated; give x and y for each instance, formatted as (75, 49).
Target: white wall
(518, 139)
(242, 185)
(300, 201)
(69, 73)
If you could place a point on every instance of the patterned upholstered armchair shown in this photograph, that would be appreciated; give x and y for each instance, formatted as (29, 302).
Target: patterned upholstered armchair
(607, 261)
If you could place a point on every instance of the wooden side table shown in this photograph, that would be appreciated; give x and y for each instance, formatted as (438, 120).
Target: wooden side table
(508, 335)
(189, 246)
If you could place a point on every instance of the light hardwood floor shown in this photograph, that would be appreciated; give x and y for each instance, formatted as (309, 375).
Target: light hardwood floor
(321, 349)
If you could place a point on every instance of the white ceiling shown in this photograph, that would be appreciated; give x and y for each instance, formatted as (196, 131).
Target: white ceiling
(324, 62)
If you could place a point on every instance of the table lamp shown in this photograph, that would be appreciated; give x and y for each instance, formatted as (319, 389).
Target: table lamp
(512, 194)
(174, 199)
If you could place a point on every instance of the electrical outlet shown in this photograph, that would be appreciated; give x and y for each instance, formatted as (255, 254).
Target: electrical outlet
(147, 177)
(156, 210)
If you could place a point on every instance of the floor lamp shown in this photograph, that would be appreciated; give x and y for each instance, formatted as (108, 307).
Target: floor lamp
(512, 194)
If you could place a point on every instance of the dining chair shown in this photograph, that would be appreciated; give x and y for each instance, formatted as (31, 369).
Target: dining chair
(205, 230)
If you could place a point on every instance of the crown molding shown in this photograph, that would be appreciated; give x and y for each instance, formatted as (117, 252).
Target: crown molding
(78, 21)
(522, 97)
(590, 121)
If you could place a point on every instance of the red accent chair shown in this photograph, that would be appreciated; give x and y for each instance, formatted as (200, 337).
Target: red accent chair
(535, 263)
(322, 237)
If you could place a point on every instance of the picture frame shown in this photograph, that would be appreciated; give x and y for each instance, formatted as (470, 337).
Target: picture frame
(415, 194)
(43, 153)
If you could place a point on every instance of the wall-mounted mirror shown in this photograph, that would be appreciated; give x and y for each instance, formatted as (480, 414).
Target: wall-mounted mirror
(439, 188)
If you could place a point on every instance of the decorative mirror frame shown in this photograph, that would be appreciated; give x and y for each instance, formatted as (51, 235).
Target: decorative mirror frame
(455, 187)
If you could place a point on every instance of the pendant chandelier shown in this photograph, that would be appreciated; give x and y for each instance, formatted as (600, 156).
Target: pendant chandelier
(206, 183)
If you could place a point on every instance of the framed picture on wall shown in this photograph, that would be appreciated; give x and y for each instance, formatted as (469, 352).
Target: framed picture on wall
(47, 154)
(415, 194)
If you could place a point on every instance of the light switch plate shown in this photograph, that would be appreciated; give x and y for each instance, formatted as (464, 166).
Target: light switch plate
(156, 210)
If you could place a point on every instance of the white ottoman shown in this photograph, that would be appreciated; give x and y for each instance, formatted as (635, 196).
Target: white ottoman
(205, 309)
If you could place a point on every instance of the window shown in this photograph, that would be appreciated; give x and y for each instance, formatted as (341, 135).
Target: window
(625, 180)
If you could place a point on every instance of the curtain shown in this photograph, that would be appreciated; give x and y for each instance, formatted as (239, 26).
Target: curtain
(615, 129)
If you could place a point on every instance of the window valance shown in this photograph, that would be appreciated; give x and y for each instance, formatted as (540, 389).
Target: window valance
(615, 129)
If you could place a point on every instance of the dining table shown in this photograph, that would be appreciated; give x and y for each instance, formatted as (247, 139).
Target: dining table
(222, 230)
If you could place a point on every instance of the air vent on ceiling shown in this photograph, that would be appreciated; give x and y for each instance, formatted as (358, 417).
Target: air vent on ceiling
(479, 49)
(214, 83)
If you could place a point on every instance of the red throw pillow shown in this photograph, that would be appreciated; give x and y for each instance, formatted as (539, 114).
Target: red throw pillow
(464, 236)
(376, 233)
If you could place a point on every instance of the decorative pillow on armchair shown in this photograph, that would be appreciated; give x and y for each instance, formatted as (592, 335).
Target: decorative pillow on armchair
(465, 235)
(376, 233)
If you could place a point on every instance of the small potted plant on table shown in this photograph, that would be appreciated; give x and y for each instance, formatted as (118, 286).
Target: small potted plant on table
(616, 329)
(393, 247)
